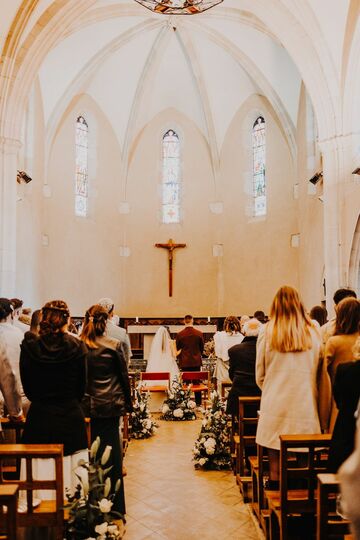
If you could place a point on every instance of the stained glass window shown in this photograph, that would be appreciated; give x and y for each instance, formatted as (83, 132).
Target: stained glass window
(171, 177)
(81, 171)
(259, 154)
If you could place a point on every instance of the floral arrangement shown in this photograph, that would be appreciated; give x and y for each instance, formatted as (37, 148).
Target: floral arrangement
(142, 424)
(89, 507)
(209, 348)
(212, 448)
(179, 405)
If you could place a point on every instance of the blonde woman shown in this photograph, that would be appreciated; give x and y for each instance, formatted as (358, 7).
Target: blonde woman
(295, 386)
(230, 336)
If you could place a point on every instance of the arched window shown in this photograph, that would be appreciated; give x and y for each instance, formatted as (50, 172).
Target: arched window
(81, 171)
(171, 177)
(259, 154)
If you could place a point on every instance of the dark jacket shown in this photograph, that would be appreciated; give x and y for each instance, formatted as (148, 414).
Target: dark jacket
(52, 369)
(108, 388)
(191, 343)
(242, 359)
(346, 394)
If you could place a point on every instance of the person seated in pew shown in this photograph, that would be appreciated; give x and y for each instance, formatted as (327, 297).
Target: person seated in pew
(295, 385)
(346, 392)
(242, 358)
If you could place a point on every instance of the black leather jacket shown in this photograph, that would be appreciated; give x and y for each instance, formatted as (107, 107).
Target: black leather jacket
(108, 389)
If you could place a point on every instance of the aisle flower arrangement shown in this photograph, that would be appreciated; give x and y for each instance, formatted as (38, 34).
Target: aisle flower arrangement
(179, 405)
(142, 424)
(212, 448)
(89, 507)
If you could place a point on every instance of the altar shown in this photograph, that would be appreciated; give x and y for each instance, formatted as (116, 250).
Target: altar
(148, 332)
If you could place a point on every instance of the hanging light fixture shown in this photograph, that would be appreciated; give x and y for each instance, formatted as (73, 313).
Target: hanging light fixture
(178, 7)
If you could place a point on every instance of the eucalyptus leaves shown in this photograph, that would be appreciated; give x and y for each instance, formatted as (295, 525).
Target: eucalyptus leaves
(90, 507)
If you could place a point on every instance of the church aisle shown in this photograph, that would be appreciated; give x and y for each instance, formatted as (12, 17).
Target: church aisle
(167, 498)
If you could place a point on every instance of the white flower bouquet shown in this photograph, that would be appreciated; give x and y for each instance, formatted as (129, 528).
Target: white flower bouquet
(90, 507)
(179, 405)
(142, 424)
(212, 448)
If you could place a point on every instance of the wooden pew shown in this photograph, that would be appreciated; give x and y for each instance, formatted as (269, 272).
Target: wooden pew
(9, 498)
(245, 444)
(298, 481)
(328, 523)
(49, 513)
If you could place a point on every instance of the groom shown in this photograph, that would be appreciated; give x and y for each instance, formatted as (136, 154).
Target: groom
(190, 344)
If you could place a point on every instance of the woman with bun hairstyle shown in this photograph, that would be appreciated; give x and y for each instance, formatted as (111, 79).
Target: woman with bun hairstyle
(231, 335)
(52, 369)
(108, 395)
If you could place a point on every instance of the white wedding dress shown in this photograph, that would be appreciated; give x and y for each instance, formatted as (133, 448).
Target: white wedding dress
(161, 357)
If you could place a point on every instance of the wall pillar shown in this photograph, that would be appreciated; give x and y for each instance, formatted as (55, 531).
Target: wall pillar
(8, 168)
(335, 154)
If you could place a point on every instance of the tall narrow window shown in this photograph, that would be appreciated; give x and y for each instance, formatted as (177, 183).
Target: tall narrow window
(81, 171)
(171, 177)
(259, 154)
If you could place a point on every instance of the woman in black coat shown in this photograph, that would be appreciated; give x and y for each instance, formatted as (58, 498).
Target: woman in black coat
(108, 395)
(346, 394)
(52, 369)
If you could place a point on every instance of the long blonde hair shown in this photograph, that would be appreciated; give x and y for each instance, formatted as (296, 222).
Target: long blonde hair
(289, 323)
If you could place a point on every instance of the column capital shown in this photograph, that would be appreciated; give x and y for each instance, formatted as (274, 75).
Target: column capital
(9, 145)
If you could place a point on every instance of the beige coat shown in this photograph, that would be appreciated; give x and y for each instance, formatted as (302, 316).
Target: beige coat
(296, 391)
(338, 350)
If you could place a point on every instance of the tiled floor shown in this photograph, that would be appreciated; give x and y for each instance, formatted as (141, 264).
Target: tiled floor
(167, 498)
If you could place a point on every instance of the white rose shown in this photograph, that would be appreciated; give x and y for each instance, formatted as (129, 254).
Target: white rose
(148, 424)
(165, 409)
(113, 529)
(191, 404)
(178, 413)
(105, 505)
(202, 461)
(210, 442)
(210, 450)
(101, 529)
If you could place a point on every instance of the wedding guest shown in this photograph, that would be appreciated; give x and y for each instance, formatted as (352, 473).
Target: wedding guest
(243, 320)
(52, 367)
(113, 330)
(9, 388)
(190, 344)
(17, 305)
(328, 329)
(260, 316)
(223, 340)
(319, 314)
(339, 347)
(346, 391)
(242, 358)
(35, 321)
(108, 395)
(12, 337)
(294, 382)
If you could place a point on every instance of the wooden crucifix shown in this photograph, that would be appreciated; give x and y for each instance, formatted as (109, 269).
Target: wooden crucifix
(170, 246)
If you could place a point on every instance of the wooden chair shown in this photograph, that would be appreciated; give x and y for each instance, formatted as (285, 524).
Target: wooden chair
(154, 376)
(245, 444)
(225, 387)
(49, 513)
(298, 480)
(11, 468)
(204, 384)
(328, 523)
(9, 498)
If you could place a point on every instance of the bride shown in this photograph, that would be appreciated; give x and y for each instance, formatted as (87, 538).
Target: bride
(162, 357)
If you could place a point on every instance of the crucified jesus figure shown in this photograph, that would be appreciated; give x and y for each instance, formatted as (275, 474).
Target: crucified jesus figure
(170, 246)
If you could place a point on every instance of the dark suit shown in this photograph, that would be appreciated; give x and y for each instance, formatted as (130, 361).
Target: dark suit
(242, 358)
(346, 393)
(191, 343)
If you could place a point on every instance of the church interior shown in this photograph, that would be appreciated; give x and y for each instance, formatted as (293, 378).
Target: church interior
(174, 157)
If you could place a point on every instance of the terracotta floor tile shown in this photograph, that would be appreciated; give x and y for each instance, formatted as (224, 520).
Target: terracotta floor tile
(167, 499)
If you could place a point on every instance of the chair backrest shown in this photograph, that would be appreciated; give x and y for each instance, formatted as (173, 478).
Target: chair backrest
(328, 523)
(302, 458)
(154, 376)
(247, 422)
(29, 452)
(195, 375)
